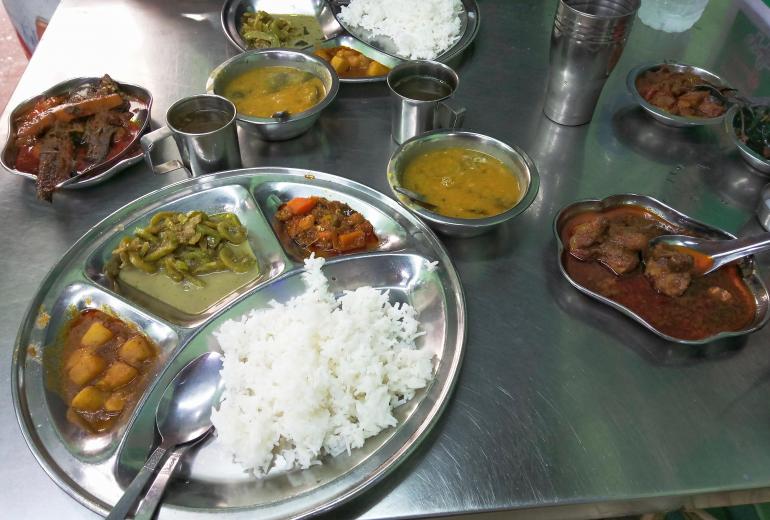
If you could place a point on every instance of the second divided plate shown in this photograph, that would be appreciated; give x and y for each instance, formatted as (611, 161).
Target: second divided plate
(336, 34)
(409, 261)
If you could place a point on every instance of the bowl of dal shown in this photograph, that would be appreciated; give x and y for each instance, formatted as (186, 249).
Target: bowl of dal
(278, 94)
(470, 183)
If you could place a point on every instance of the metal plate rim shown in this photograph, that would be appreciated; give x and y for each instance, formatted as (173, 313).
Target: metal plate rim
(82, 247)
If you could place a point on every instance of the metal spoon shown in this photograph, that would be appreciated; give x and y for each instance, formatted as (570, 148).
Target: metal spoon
(183, 416)
(417, 197)
(715, 252)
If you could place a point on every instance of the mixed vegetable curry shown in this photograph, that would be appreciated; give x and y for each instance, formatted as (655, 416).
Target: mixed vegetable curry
(325, 227)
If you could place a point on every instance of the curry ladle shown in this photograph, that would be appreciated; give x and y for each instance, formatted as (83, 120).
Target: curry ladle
(183, 417)
(714, 253)
(419, 198)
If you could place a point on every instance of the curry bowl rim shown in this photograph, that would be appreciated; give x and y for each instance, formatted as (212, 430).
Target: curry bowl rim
(278, 55)
(529, 193)
(662, 115)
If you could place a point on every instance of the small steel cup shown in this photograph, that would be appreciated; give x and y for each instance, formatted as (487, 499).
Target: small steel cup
(586, 43)
(206, 147)
(411, 117)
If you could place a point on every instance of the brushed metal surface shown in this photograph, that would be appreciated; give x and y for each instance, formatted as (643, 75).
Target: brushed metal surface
(564, 408)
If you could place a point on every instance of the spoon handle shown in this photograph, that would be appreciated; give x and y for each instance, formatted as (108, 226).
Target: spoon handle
(150, 503)
(743, 247)
(134, 491)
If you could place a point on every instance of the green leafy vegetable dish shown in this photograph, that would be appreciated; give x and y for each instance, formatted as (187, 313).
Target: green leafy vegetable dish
(752, 126)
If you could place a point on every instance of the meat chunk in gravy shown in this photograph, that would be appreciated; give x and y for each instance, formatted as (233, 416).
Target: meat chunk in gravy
(616, 244)
(669, 271)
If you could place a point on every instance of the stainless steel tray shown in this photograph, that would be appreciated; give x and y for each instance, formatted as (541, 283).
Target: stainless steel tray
(94, 471)
(747, 267)
(662, 115)
(326, 13)
(127, 158)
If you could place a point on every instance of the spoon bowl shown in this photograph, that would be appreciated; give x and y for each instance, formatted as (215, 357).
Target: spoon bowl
(183, 417)
(710, 255)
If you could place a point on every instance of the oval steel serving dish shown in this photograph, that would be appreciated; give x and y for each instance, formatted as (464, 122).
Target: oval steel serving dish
(128, 157)
(409, 261)
(663, 116)
(746, 265)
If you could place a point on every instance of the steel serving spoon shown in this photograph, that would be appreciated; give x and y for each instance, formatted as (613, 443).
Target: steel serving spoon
(183, 417)
(715, 253)
(417, 197)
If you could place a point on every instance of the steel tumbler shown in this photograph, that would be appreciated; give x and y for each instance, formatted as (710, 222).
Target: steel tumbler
(586, 43)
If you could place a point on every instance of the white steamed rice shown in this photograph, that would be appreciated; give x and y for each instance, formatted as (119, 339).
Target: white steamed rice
(316, 375)
(421, 29)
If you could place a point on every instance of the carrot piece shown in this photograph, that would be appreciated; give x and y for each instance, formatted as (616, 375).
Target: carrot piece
(352, 240)
(301, 205)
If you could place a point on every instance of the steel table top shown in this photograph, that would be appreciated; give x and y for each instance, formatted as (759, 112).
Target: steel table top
(564, 408)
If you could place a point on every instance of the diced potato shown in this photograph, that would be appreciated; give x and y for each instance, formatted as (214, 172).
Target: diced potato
(86, 367)
(135, 350)
(89, 399)
(117, 375)
(376, 68)
(96, 335)
(115, 403)
(340, 64)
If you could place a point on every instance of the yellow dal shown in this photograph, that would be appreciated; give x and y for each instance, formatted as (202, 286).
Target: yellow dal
(463, 183)
(264, 91)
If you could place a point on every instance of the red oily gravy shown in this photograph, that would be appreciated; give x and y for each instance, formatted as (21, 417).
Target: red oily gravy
(695, 315)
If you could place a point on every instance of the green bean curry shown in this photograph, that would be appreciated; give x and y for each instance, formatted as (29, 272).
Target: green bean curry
(186, 260)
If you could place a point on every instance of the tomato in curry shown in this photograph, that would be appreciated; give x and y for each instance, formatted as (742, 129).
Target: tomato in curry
(717, 302)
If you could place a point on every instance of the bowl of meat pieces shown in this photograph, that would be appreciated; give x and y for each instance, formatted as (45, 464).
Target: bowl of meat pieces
(76, 133)
(679, 95)
(604, 251)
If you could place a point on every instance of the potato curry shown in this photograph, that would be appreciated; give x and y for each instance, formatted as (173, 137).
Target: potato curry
(106, 365)
(349, 63)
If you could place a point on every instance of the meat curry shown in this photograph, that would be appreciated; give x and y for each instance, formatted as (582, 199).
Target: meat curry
(64, 135)
(607, 252)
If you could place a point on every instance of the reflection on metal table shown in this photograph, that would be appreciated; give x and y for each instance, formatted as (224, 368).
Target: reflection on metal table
(564, 408)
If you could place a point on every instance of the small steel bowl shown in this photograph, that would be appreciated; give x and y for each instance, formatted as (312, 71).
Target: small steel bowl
(268, 128)
(750, 156)
(512, 157)
(108, 168)
(661, 115)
